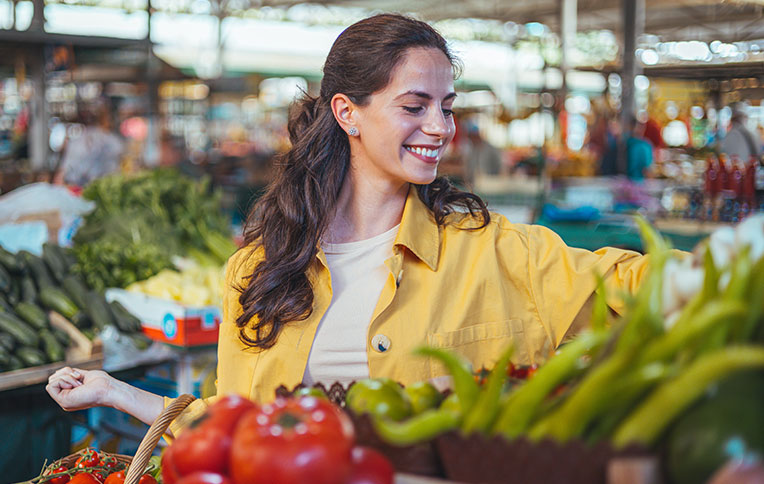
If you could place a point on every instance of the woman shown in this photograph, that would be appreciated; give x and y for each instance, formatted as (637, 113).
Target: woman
(358, 253)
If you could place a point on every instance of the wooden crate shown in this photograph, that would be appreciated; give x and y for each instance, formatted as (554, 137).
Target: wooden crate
(81, 353)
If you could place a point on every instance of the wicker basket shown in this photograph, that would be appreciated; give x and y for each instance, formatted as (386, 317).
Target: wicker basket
(138, 463)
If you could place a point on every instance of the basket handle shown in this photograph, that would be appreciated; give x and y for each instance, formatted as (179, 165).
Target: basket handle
(155, 432)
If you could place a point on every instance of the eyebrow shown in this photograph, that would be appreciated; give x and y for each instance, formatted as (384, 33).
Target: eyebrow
(425, 95)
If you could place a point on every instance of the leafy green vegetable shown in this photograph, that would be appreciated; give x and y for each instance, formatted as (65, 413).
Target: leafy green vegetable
(141, 221)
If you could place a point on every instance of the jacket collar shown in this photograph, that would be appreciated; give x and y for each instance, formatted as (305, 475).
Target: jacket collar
(418, 232)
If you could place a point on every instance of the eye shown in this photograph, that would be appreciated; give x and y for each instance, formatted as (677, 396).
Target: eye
(448, 113)
(412, 109)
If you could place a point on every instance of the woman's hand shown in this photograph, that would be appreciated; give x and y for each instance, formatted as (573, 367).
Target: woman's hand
(75, 389)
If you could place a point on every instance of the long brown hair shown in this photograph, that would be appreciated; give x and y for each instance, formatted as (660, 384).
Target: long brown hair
(291, 217)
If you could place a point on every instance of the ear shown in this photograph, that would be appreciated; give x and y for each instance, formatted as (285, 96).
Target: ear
(344, 111)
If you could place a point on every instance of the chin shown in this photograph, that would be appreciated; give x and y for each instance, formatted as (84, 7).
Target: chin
(423, 178)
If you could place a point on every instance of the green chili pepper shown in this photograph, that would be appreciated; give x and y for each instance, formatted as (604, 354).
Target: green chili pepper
(649, 420)
(574, 414)
(708, 292)
(671, 342)
(419, 428)
(756, 306)
(522, 407)
(619, 400)
(465, 386)
(486, 407)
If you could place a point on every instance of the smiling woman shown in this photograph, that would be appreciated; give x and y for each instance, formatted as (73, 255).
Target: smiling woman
(358, 252)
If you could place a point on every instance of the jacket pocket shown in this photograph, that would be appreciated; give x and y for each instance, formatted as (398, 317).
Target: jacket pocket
(482, 344)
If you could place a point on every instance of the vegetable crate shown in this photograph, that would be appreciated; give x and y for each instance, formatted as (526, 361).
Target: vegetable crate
(171, 322)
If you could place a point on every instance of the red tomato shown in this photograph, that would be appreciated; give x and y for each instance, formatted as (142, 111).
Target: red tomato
(60, 479)
(370, 467)
(306, 440)
(204, 478)
(88, 459)
(84, 478)
(206, 445)
(109, 461)
(147, 479)
(116, 478)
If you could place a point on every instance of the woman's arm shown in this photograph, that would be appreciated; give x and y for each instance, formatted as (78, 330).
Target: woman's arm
(75, 389)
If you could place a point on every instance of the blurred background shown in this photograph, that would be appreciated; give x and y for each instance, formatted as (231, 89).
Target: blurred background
(568, 110)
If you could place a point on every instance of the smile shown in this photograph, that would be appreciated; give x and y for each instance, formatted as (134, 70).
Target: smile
(427, 154)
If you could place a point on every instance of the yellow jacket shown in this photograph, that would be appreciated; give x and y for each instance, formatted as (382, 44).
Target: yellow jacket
(470, 291)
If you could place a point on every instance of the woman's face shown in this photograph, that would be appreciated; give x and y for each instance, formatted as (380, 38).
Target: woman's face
(405, 127)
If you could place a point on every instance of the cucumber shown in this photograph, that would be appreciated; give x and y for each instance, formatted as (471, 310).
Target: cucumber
(5, 280)
(15, 363)
(81, 320)
(14, 293)
(10, 261)
(28, 289)
(62, 336)
(31, 356)
(38, 270)
(99, 311)
(5, 305)
(140, 340)
(125, 320)
(32, 314)
(76, 290)
(53, 261)
(55, 299)
(7, 342)
(52, 347)
(20, 331)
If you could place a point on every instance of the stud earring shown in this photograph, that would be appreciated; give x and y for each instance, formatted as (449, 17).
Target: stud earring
(353, 131)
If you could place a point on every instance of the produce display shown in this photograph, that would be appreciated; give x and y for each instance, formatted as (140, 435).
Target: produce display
(141, 221)
(93, 467)
(194, 284)
(304, 439)
(646, 378)
(30, 287)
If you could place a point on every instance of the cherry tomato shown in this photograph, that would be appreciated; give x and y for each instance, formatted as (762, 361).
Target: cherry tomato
(60, 479)
(89, 458)
(109, 461)
(370, 467)
(204, 478)
(206, 445)
(84, 478)
(116, 478)
(292, 441)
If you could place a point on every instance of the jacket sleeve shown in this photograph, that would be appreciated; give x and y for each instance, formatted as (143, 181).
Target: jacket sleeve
(562, 279)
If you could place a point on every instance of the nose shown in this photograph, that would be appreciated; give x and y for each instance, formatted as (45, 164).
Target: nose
(437, 124)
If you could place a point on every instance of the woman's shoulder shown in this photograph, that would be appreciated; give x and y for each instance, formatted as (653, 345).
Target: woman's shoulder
(243, 262)
(468, 225)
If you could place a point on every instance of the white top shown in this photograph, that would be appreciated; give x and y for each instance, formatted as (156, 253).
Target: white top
(358, 274)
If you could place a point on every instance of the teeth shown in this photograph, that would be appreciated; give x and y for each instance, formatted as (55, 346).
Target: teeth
(423, 151)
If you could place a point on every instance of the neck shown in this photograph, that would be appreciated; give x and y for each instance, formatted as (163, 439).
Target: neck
(365, 208)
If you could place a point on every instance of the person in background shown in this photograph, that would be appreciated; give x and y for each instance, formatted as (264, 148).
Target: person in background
(639, 153)
(96, 152)
(739, 141)
(481, 157)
